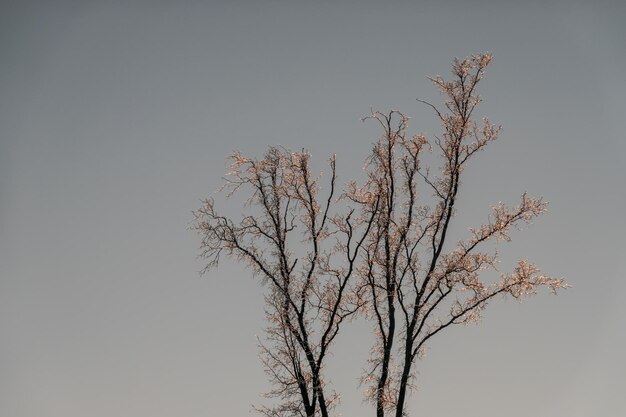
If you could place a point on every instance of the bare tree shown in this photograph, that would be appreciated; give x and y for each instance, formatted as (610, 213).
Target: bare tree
(383, 248)
(418, 282)
(306, 252)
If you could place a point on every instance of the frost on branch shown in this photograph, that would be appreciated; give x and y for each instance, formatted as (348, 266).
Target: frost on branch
(304, 247)
(381, 248)
(418, 282)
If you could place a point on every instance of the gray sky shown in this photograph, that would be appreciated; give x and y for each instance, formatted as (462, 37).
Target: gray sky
(116, 120)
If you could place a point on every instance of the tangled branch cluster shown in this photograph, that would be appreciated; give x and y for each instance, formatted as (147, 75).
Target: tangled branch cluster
(377, 248)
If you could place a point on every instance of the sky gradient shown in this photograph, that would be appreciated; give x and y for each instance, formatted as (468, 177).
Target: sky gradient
(116, 120)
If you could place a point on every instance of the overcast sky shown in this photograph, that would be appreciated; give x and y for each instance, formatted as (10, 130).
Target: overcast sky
(115, 121)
